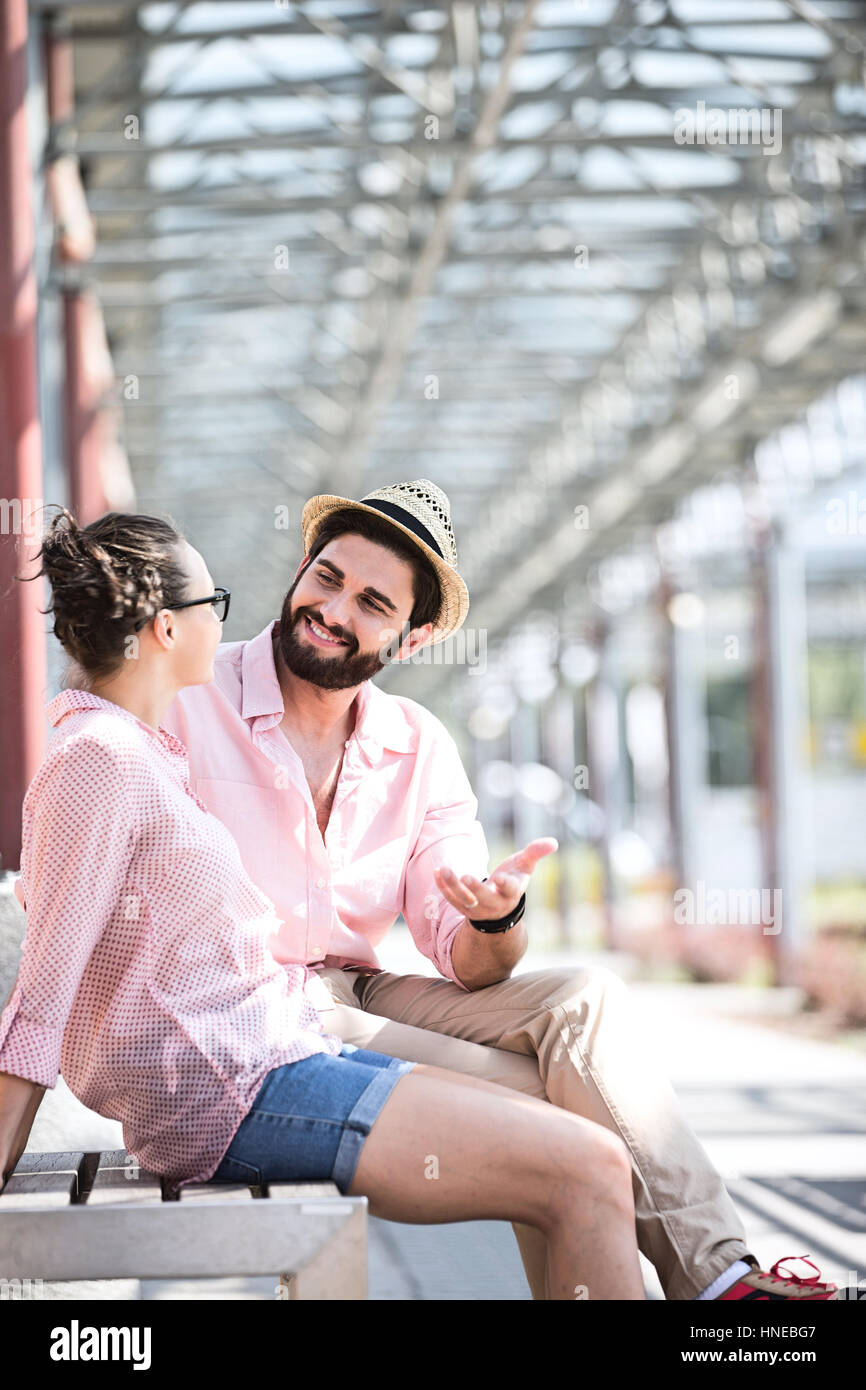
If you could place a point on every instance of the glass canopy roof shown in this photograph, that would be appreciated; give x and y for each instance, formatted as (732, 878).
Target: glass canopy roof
(552, 256)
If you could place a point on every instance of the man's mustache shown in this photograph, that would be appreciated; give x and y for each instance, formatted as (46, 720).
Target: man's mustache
(302, 613)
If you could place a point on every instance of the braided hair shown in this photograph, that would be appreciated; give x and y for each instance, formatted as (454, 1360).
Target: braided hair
(107, 580)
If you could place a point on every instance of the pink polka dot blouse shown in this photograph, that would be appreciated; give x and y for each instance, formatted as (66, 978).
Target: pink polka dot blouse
(146, 979)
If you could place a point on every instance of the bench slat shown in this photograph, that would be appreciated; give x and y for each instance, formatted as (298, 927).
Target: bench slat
(120, 1180)
(216, 1192)
(43, 1180)
(317, 1198)
(169, 1240)
(304, 1189)
(308, 1234)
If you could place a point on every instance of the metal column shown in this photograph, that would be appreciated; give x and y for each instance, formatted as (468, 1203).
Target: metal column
(22, 626)
(786, 730)
(602, 758)
(687, 745)
(558, 740)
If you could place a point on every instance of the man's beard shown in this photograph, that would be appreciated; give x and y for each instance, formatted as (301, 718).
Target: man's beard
(303, 660)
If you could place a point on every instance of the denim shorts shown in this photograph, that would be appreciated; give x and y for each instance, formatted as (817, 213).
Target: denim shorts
(310, 1118)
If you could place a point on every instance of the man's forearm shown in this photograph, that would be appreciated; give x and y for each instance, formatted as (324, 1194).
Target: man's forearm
(483, 958)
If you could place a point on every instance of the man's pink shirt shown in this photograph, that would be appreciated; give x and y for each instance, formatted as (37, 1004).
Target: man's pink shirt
(146, 976)
(403, 805)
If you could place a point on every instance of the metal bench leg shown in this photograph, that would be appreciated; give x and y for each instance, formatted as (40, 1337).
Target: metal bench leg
(339, 1271)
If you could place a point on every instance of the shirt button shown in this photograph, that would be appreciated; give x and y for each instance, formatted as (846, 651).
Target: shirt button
(321, 882)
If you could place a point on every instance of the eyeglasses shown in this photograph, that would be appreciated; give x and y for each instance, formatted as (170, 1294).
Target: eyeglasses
(221, 596)
(220, 600)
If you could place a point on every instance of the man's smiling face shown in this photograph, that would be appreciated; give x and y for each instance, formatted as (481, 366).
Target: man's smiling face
(343, 608)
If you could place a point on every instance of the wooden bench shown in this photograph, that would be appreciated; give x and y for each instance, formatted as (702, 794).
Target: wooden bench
(101, 1216)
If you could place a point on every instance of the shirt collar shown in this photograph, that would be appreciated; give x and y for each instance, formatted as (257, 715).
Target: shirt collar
(68, 701)
(380, 719)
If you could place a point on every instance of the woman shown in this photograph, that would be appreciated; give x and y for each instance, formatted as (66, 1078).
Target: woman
(147, 981)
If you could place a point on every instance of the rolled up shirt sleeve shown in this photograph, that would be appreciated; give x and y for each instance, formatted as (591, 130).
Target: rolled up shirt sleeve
(451, 837)
(78, 838)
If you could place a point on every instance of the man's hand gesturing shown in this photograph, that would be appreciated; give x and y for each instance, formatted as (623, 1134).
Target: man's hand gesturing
(487, 902)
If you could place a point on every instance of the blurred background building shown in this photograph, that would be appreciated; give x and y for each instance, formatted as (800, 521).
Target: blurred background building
(596, 268)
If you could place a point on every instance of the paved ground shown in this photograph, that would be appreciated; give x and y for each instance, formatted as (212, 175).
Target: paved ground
(782, 1117)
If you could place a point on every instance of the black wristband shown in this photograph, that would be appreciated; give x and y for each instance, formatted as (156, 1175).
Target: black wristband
(501, 923)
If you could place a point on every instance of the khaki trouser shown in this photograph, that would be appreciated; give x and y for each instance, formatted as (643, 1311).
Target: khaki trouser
(567, 1036)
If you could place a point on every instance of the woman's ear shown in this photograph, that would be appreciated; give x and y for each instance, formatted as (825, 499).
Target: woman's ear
(163, 627)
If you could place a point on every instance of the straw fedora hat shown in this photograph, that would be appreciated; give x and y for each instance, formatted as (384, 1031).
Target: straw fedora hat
(420, 510)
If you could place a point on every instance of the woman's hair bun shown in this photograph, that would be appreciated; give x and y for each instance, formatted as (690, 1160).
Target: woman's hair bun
(107, 579)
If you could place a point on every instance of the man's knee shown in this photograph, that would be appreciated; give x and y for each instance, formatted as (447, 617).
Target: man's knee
(586, 987)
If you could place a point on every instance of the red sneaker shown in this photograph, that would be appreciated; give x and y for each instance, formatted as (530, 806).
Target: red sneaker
(773, 1287)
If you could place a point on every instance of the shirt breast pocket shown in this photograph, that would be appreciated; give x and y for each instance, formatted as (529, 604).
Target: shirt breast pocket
(252, 815)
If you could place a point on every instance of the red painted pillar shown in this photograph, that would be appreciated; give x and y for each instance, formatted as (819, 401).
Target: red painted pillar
(86, 423)
(22, 627)
(85, 416)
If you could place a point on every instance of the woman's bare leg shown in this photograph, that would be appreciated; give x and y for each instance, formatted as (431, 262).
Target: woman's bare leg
(451, 1147)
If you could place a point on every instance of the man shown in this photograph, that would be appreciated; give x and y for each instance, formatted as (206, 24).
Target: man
(351, 806)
